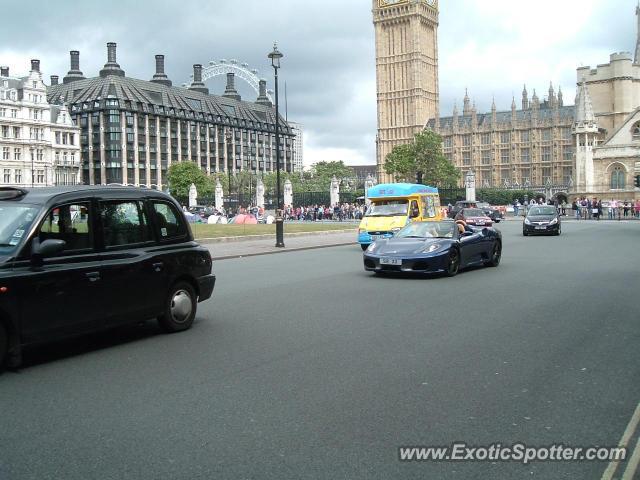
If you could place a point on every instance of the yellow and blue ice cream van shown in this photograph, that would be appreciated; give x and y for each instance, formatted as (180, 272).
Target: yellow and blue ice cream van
(394, 205)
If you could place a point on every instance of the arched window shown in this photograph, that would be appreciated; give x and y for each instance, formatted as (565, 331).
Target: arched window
(636, 131)
(617, 178)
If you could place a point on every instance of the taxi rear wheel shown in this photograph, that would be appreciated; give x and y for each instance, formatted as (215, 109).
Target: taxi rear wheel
(180, 308)
(364, 247)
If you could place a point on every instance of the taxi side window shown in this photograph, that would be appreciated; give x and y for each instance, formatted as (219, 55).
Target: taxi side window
(170, 222)
(70, 223)
(124, 223)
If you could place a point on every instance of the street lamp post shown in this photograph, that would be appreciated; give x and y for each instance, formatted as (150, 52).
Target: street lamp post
(275, 57)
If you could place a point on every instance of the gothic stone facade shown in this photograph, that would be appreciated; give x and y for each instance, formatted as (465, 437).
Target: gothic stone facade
(528, 146)
(132, 130)
(608, 154)
(406, 71)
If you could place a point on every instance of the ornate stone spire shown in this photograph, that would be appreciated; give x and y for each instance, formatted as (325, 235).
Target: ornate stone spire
(474, 116)
(525, 98)
(494, 116)
(637, 57)
(560, 101)
(466, 110)
(584, 108)
(552, 95)
(535, 101)
(454, 122)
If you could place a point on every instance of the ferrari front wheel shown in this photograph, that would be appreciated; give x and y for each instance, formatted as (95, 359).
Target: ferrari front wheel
(453, 263)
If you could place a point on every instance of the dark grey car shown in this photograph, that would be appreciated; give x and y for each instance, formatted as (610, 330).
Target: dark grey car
(542, 220)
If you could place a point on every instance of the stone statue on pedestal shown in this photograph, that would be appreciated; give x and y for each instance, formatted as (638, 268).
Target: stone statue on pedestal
(219, 195)
(368, 183)
(193, 195)
(260, 193)
(335, 191)
(288, 193)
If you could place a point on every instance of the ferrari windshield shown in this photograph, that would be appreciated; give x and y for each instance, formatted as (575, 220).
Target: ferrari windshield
(542, 211)
(15, 221)
(388, 208)
(427, 230)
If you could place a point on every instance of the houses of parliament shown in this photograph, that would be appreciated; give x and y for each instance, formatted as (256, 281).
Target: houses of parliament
(590, 148)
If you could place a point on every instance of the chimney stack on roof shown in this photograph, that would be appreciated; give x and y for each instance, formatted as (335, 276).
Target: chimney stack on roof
(74, 71)
(4, 71)
(35, 65)
(160, 76)
(111, 67)
(54, 80)
(262, 96)
(230, 91)
(197, 84)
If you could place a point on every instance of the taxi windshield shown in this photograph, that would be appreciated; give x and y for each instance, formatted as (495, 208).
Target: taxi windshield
(388, 208)
(15, 221)
(427, 230)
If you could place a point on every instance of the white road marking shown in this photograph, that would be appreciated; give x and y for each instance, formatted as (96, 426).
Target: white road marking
(626, 436)
(632, 467)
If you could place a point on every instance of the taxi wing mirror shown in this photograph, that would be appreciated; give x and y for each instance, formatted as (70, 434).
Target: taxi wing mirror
(48, 247)
(415, 213)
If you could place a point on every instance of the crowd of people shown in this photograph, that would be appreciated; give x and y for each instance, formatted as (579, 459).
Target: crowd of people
(588, 208)
(594, 208)
(338, 212)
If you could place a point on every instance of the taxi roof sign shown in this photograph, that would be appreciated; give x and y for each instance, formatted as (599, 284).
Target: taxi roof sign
(384, 190)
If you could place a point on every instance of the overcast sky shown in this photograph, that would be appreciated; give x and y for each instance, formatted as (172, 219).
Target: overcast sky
(492, 47)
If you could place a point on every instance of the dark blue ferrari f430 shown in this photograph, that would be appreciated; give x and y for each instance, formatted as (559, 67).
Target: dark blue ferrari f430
(435, 247)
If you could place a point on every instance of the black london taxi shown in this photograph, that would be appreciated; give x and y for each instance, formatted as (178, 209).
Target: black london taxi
(85, 258)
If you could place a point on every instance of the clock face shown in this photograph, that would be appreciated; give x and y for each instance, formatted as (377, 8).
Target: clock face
(390, 3)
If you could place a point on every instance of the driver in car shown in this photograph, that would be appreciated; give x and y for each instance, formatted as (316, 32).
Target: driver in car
(463, 227)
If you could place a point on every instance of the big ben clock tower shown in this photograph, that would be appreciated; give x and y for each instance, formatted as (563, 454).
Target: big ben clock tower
(406, 70)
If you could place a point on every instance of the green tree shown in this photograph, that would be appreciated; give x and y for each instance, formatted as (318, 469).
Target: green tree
(424, 155)
(180, 177)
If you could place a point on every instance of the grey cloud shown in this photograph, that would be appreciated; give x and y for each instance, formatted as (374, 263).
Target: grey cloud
(328, 47)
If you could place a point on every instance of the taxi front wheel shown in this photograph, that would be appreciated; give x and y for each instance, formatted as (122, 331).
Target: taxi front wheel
(364, 247)
(180, 308)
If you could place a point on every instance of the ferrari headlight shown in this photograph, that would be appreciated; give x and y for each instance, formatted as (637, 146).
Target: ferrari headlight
(371, 248)
(431, 248)
(553, 222)
(527, 222)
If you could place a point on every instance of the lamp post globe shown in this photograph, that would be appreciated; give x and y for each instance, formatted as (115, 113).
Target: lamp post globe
(275, 57)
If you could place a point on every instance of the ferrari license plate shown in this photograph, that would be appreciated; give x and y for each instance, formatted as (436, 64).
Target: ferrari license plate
(541, 227)
(390, 261)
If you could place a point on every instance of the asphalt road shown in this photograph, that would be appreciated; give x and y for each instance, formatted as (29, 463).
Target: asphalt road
(303, 366)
